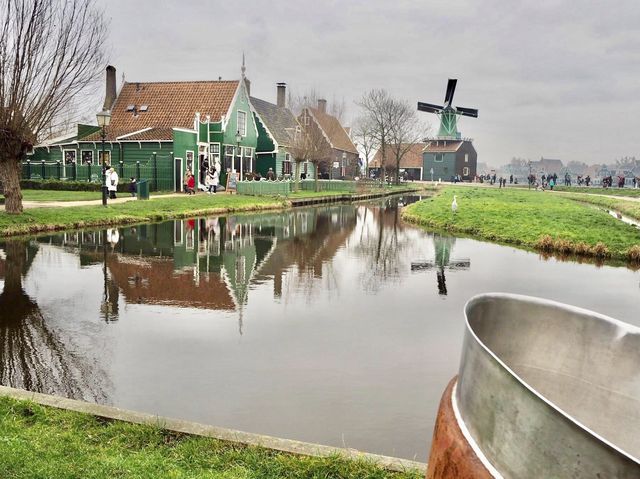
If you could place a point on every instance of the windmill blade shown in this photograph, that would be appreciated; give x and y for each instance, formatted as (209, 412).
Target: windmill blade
(428, 107)
(451, 88)
(467, 111)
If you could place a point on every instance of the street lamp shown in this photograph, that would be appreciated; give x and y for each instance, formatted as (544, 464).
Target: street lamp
(239, 154)
(104, 118)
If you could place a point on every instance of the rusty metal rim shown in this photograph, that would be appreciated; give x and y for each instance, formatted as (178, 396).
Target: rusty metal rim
(574, 309)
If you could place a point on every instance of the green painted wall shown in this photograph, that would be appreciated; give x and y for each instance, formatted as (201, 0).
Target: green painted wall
(184, 141)
(444, 169)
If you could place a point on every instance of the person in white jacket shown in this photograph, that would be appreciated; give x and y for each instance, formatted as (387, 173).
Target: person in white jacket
(112, 183)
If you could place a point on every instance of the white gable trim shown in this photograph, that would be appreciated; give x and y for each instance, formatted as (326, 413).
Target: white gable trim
(122, 137)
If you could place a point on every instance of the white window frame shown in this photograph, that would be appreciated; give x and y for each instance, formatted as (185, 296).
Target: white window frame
(82, 152)
(466, 157)
(465, 169)
(107, 154)
(64, 156)
(243, 130)
(435, 157)
(187, 159)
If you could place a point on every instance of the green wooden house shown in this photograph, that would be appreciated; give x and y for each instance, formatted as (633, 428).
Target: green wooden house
(159, 130)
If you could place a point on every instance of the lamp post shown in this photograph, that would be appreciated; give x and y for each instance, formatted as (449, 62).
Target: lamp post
(239, 153)
(104, 118)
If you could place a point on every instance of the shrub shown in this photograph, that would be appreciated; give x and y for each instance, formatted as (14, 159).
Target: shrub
(633, 253)
(563, 246)
(582, 249)
(600, 250)
(545, 243)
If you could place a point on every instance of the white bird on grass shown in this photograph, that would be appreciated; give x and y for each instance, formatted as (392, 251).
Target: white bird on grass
(454, 204)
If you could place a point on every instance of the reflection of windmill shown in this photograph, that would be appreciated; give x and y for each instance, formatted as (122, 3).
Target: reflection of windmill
(443, 246)
(448, 113)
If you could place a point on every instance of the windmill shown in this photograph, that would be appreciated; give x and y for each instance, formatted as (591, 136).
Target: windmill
(448, 113)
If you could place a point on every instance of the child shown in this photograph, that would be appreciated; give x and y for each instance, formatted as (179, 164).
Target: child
(132, 186)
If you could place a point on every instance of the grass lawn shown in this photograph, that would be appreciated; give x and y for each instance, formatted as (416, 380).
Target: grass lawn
(62, 195)
(48, 219)
(600, 191)
(42, 442)
(531, 219)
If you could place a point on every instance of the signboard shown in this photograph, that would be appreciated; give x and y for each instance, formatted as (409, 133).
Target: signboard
(232, 182)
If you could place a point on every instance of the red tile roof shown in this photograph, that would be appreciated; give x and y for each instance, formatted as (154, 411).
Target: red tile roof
(442, 146)
(170, 105)
(411, 159)
(151, 134)
(334, 131)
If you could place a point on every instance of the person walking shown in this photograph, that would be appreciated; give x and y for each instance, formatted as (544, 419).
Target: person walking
(112, 183)
(552, 183)
(132, 186)
(191, 185)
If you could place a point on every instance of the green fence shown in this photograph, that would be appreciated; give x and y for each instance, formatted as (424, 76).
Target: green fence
(329, 185)
(158, 171)
(259, 188)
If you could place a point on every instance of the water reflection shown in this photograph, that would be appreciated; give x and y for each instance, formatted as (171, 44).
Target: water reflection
(32, 356)
(442, 261)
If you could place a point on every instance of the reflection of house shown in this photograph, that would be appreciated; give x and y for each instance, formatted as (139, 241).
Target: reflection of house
(154, 281)
(343, 161)
(411, 163)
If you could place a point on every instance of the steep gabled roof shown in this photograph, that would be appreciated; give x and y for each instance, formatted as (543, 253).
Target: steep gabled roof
(334, 131)
(169, 105)
(411, 159)
(442, 146)
(278, 120)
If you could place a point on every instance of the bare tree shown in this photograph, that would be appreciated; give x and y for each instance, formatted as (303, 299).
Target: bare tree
(406, 131)
(309, 144)
(297, 102)
(377, 107)
(364, 132)
(51, 51)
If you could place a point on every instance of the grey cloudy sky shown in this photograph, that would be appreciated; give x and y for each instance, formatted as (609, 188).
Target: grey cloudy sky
(559, 79)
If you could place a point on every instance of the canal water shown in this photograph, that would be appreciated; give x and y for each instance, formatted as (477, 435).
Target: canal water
(337, 325)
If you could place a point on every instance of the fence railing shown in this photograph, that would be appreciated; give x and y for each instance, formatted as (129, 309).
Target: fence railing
(264, 188)
(158, 174)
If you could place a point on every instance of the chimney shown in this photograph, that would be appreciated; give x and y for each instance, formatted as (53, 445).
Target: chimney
(110, 96)
(322, 105)
(282, 90)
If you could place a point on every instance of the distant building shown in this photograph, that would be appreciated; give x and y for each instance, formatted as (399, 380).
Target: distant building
(547, 166)
(448, 158)
(411, 162)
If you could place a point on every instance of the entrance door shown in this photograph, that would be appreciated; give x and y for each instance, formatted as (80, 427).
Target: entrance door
(177, 172)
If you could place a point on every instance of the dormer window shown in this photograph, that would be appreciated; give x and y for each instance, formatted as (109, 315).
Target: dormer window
(144, 108)
(131, 107)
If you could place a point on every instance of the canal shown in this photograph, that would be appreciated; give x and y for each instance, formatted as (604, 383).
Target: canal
(337, 324)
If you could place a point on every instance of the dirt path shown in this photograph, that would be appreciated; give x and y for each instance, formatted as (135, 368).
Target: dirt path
(68, 204)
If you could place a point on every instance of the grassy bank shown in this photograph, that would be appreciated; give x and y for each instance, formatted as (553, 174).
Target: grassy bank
(39, 442)
(533, 219)
(49, 219)
(629, 192)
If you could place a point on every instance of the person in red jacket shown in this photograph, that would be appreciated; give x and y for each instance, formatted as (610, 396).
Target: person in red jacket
(191, 185)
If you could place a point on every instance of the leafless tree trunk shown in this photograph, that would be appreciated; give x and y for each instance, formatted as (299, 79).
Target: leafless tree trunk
(51, 51)
(406, 131)
(377, 107)
(310, 144)
(365, 133)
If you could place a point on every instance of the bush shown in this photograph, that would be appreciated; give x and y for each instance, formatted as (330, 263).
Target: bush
(582, 249)
(633, 253)
(600, 250)
(545, 243)
(58, 185)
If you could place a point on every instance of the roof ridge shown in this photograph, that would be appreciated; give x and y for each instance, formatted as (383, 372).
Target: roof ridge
(178, 82)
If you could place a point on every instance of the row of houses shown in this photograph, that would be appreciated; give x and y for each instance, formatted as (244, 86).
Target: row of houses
(192, 125)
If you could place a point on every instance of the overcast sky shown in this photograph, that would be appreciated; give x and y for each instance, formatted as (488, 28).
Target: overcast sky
(559, 79)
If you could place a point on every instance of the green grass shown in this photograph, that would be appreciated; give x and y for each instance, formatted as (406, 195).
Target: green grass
(43, 442)
(528, 218)
(600, 191)
(47, 219)
(62, 195)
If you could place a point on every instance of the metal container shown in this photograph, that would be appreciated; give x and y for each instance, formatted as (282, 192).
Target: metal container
(549, 390)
